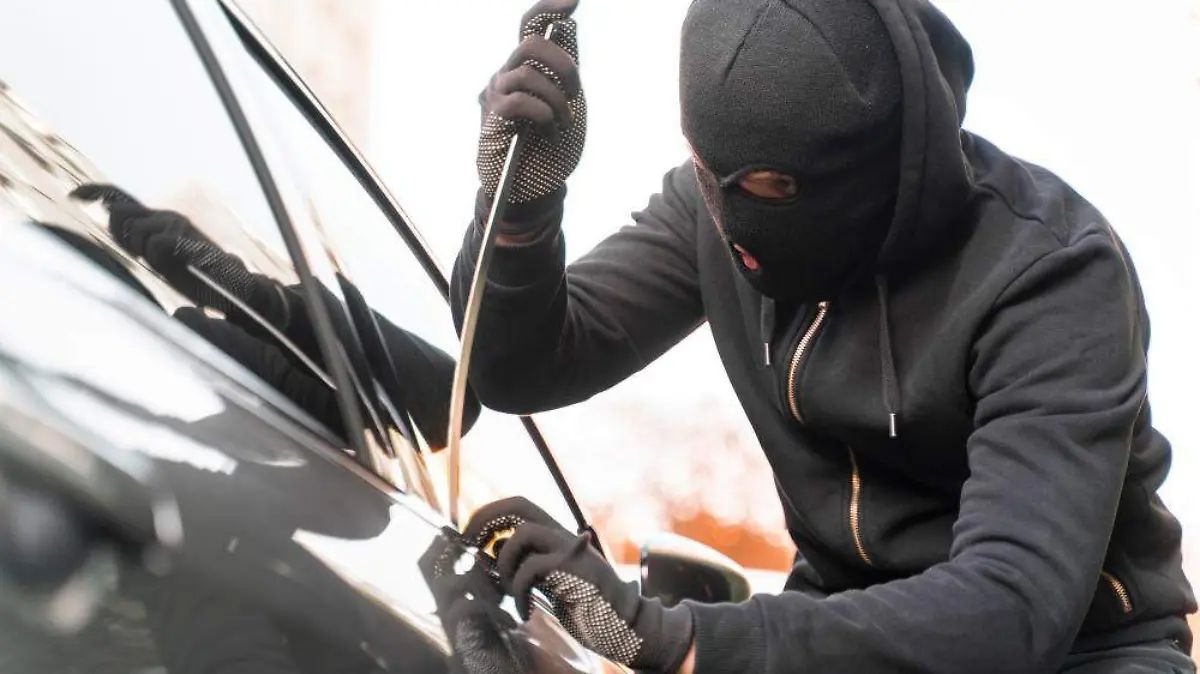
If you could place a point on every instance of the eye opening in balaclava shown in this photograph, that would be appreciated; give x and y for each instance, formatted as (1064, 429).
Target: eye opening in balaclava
(765, 178)
(808, 89)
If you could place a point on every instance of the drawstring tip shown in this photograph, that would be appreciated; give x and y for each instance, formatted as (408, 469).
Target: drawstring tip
(767, 353)
(892, 432)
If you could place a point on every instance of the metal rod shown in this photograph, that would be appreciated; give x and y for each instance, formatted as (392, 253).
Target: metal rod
(559, 479)
(458, 391)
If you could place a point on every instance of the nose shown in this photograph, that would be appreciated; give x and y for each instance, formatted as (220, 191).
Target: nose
(747, 259)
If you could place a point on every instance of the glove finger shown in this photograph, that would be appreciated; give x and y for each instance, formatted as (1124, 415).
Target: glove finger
(119, 219)
(109, 195)
(540, 15)
(531, 540)
(546, 117)
(523, 585)
(520, 106)
(528, 80)
(503, 514)
(139, 232)
(551, 60)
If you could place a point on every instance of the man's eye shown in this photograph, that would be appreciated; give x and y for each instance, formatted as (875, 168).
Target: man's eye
(770, 185)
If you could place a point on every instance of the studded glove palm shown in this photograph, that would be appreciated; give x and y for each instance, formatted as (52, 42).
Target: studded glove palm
(537, 90)
(170, 243)
(468, 606)
(596, 607)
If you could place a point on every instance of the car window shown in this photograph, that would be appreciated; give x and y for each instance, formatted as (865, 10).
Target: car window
(114, 94)
(499, 458)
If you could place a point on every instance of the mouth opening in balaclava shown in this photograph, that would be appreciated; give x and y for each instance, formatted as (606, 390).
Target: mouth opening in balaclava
(808, 89)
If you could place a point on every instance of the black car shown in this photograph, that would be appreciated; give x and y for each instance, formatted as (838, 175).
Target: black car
(166, 506)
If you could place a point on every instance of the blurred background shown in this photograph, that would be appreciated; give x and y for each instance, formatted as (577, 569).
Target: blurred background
(1105, 94)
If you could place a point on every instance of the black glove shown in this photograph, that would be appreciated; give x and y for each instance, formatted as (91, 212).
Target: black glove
(596, 607)
(170, 243)
(270, 364)
(468, 606)
(537, 90)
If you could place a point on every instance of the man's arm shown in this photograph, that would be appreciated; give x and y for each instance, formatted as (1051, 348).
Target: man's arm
(1059, 376)
(551, 335)
(424, 374)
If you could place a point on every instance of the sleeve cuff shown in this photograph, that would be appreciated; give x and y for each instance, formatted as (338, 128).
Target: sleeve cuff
(526, 219)
(520, 265)
(668, 636)
(729, 637)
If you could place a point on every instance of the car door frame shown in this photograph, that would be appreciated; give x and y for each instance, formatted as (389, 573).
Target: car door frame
(330, 346)
(309, 105)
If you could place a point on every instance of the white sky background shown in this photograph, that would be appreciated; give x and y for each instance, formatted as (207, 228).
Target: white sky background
(1107, 97)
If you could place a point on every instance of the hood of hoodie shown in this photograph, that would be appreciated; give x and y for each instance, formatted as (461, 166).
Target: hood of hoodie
(801, 87)
(935, 67)
(936, 70)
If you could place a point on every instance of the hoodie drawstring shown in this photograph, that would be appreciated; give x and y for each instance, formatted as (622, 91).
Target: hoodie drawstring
(891, 386)
(766, 326)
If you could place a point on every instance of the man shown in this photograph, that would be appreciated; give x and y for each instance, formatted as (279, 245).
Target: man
(941, 348)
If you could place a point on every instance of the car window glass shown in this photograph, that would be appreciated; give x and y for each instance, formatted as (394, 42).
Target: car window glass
(499, 459)
(114, 93)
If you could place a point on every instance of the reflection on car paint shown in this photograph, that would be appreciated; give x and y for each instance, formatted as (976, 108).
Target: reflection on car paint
(231, 529)
(359, 561)
(127, 431)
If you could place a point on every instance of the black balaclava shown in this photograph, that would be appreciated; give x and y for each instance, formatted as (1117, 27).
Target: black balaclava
(809, 88)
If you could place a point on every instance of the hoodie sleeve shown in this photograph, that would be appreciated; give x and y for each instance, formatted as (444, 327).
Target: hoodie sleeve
(1058, 374)
(552, 334)
(425, 375)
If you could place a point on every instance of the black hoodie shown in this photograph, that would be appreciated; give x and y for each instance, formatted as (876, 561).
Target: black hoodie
(954, 440)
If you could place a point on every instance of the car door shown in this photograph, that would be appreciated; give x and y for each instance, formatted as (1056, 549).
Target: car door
(168, 536)
(361, 238)
(162, 507)
(188, 515)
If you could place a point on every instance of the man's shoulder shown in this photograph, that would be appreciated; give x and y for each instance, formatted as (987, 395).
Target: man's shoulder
(677, 205)
(1034, 206)
(681, 181)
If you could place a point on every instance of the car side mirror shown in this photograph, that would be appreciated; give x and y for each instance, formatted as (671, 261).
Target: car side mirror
(675, 568)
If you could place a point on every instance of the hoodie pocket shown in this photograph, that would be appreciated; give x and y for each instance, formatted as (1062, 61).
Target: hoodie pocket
(1115, 602)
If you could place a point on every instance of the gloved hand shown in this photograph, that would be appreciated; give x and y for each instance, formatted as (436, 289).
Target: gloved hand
(538, 90)
(270, 364)
(468, 606)
(170, 243)
(596, 607)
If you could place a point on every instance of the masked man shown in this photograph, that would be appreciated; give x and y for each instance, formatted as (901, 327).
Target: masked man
(941, 348)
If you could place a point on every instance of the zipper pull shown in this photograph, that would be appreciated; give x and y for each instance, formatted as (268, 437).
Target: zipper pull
(892, 430)
(767, 353)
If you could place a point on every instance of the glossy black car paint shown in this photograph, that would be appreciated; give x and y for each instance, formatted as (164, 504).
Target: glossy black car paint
(220, 527)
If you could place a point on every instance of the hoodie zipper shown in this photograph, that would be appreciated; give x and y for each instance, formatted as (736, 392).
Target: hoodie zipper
(1118, 589)
(856, 509)
(802, 348)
